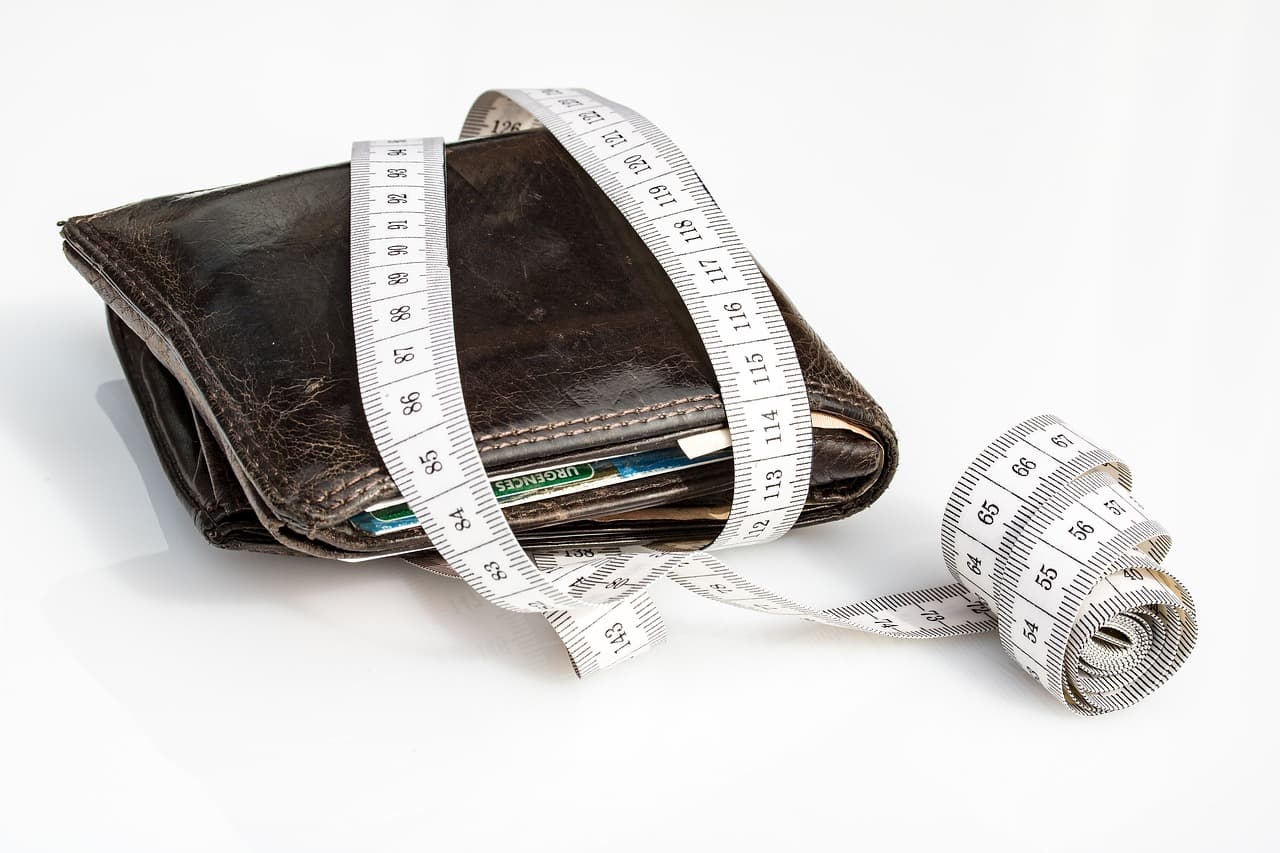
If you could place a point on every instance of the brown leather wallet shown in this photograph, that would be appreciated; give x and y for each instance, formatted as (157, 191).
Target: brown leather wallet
(230, 311)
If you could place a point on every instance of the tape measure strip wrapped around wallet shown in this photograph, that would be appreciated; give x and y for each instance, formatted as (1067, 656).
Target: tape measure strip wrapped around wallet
(398, 199)
(655, 187)
(1041, 527)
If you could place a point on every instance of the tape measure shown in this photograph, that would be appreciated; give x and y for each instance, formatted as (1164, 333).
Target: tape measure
(1041, 533)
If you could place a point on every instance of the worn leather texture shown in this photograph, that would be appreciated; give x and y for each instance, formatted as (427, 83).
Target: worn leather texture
(230, 311)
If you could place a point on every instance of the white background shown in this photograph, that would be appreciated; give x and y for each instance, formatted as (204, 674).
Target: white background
(989, 210)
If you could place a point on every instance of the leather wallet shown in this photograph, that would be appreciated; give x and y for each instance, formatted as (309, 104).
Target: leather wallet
(230, 311)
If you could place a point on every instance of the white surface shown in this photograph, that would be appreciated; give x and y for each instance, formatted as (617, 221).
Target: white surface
(1111, 166)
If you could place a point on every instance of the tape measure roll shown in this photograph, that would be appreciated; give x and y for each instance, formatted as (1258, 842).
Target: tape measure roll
(1041, 533)
(1044, 524)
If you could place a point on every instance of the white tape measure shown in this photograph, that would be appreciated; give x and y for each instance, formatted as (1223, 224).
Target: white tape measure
(1041, 527)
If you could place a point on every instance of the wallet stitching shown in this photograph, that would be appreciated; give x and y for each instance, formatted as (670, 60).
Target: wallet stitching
(842, 396)
(598, 428)
(317, 500)
(599, 417)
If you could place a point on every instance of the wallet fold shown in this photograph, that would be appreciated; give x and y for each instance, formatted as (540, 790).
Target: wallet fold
(230, 311)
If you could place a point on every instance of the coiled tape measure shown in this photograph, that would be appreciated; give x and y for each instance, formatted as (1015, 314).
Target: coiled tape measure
(1042, 535)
